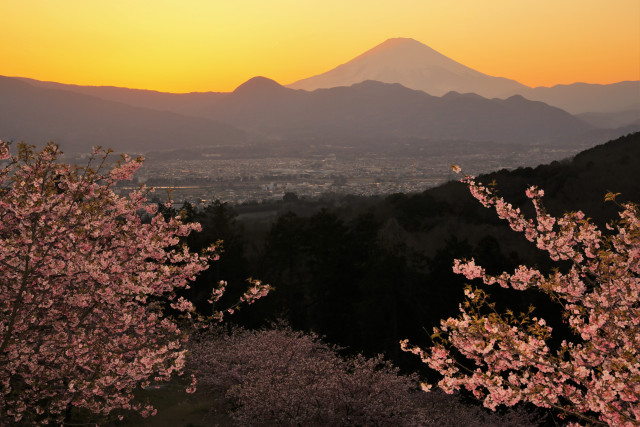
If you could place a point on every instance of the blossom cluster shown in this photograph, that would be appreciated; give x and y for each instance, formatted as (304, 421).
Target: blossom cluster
(254, 292)
(594, 378)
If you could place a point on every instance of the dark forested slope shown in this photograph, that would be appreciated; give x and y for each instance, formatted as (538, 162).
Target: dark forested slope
(368, 272)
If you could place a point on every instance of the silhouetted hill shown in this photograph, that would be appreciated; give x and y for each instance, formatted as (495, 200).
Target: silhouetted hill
(573, 184)
(582, 182)
(182, 103)
(260, 86)
(78, 121)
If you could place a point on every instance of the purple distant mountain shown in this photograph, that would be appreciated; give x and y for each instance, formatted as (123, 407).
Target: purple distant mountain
(373, 109)
(77, 122)
(622, 98)
(415, 66)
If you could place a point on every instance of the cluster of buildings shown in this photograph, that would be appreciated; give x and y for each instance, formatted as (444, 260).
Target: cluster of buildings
(255, 180)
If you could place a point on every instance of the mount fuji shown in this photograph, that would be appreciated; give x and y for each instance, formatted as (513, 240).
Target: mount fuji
(415, 66)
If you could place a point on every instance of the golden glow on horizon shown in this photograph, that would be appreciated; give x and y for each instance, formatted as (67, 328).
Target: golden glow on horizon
(206, 45)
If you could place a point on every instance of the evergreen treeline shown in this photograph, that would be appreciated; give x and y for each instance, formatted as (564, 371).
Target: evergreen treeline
(367, 272)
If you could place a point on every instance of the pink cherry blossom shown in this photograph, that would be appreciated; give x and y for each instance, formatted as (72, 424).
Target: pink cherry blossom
(4, 150)
(595, 379)
(84, 283)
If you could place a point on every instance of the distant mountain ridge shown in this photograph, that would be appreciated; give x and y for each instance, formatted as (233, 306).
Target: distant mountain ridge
(580, 98)
(374, 109)
(176, 102)
(77, 122)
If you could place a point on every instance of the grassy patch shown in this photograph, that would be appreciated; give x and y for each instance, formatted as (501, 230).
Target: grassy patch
(176, 408)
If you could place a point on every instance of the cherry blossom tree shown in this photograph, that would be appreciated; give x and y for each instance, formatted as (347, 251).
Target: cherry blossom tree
(279, 376)
(84, 286)
(594, 377)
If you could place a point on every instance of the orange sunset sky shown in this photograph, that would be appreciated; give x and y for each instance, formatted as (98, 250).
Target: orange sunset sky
(215, 45)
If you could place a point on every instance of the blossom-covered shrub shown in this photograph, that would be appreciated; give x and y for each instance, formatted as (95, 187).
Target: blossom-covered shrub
(282, 377)
(594, 376)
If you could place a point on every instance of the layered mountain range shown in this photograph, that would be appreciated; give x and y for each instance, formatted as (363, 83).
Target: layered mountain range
(417, 66)
(399, 89)
(373, 109)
